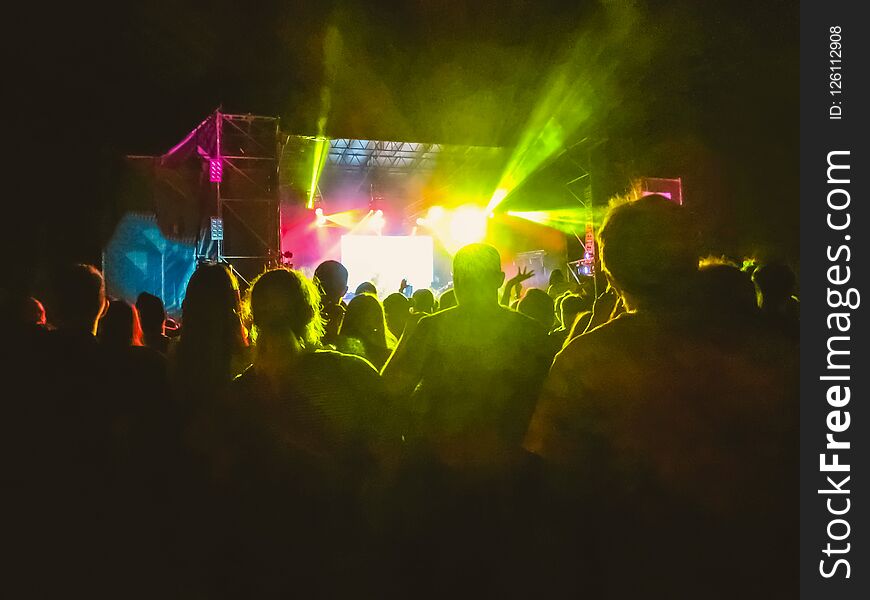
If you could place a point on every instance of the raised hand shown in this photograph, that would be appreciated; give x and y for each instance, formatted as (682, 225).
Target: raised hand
(515, 282)
(521, 276)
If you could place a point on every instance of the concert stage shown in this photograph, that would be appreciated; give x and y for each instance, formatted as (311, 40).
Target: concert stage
(237, 189)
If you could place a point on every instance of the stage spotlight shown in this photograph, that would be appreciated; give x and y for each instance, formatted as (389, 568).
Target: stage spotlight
(320, 218)
(435, 213)
(467, 225)
(421, 221)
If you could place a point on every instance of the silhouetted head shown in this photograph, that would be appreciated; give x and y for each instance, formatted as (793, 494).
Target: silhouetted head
(397, 308)
(538, 305)
(571, 306)
(365, 320)
(120, 326)
(477, 274)
(775, 283)
(212, 294)
(447, 300)
(556, 277)
(423, 301)
(151, 312)
(366, 287)
(31, 312)
(649, 250)
(331, 277)
(210, 312)
(211, 328)
(725, 289)
(286, 303)
(80, 298)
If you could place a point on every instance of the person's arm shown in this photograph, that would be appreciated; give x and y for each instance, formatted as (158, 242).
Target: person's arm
(515, 282)
(506, 294)
(404, 368)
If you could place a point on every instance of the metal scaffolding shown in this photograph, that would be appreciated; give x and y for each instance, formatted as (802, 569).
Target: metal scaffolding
(354, 155)
(580, 188)
(386, 169)
(241, 154)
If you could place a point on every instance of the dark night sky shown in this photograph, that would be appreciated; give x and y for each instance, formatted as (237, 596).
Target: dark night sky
(715, 100)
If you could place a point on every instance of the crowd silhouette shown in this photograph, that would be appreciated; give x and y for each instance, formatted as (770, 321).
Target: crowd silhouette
(634, 436)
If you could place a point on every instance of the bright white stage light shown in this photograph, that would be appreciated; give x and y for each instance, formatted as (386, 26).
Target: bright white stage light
(467, 225)
(320, 218)
(435, 214)
(386, 260)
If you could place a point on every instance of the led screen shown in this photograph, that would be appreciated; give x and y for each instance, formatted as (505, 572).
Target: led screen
(386, 260)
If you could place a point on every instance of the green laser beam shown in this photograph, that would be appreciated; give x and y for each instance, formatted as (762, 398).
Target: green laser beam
(583, 84)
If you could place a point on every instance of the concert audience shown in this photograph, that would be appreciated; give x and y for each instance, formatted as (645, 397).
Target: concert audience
(645, 412)
(775, 285)
(571, 306)
(537, 305)
(87, 459)
(32, 312)
(423, 301)
(557, 284)
(24, 320)
(473, 372)
(447, 299)
(366, 287)
(331, 277)
(328, 396)
(152, 315)
(364, 331)
(726, 290)
(299, 435)
(120, 326)
(513, 287)
(213, 346)
(263, 454)
(397, 309)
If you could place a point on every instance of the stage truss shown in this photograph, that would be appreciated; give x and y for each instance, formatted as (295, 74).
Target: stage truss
(580, 188)
(383, 168)
(242, 155)
(234, 158)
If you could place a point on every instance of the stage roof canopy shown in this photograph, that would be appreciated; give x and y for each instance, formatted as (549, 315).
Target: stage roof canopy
(363, 156)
